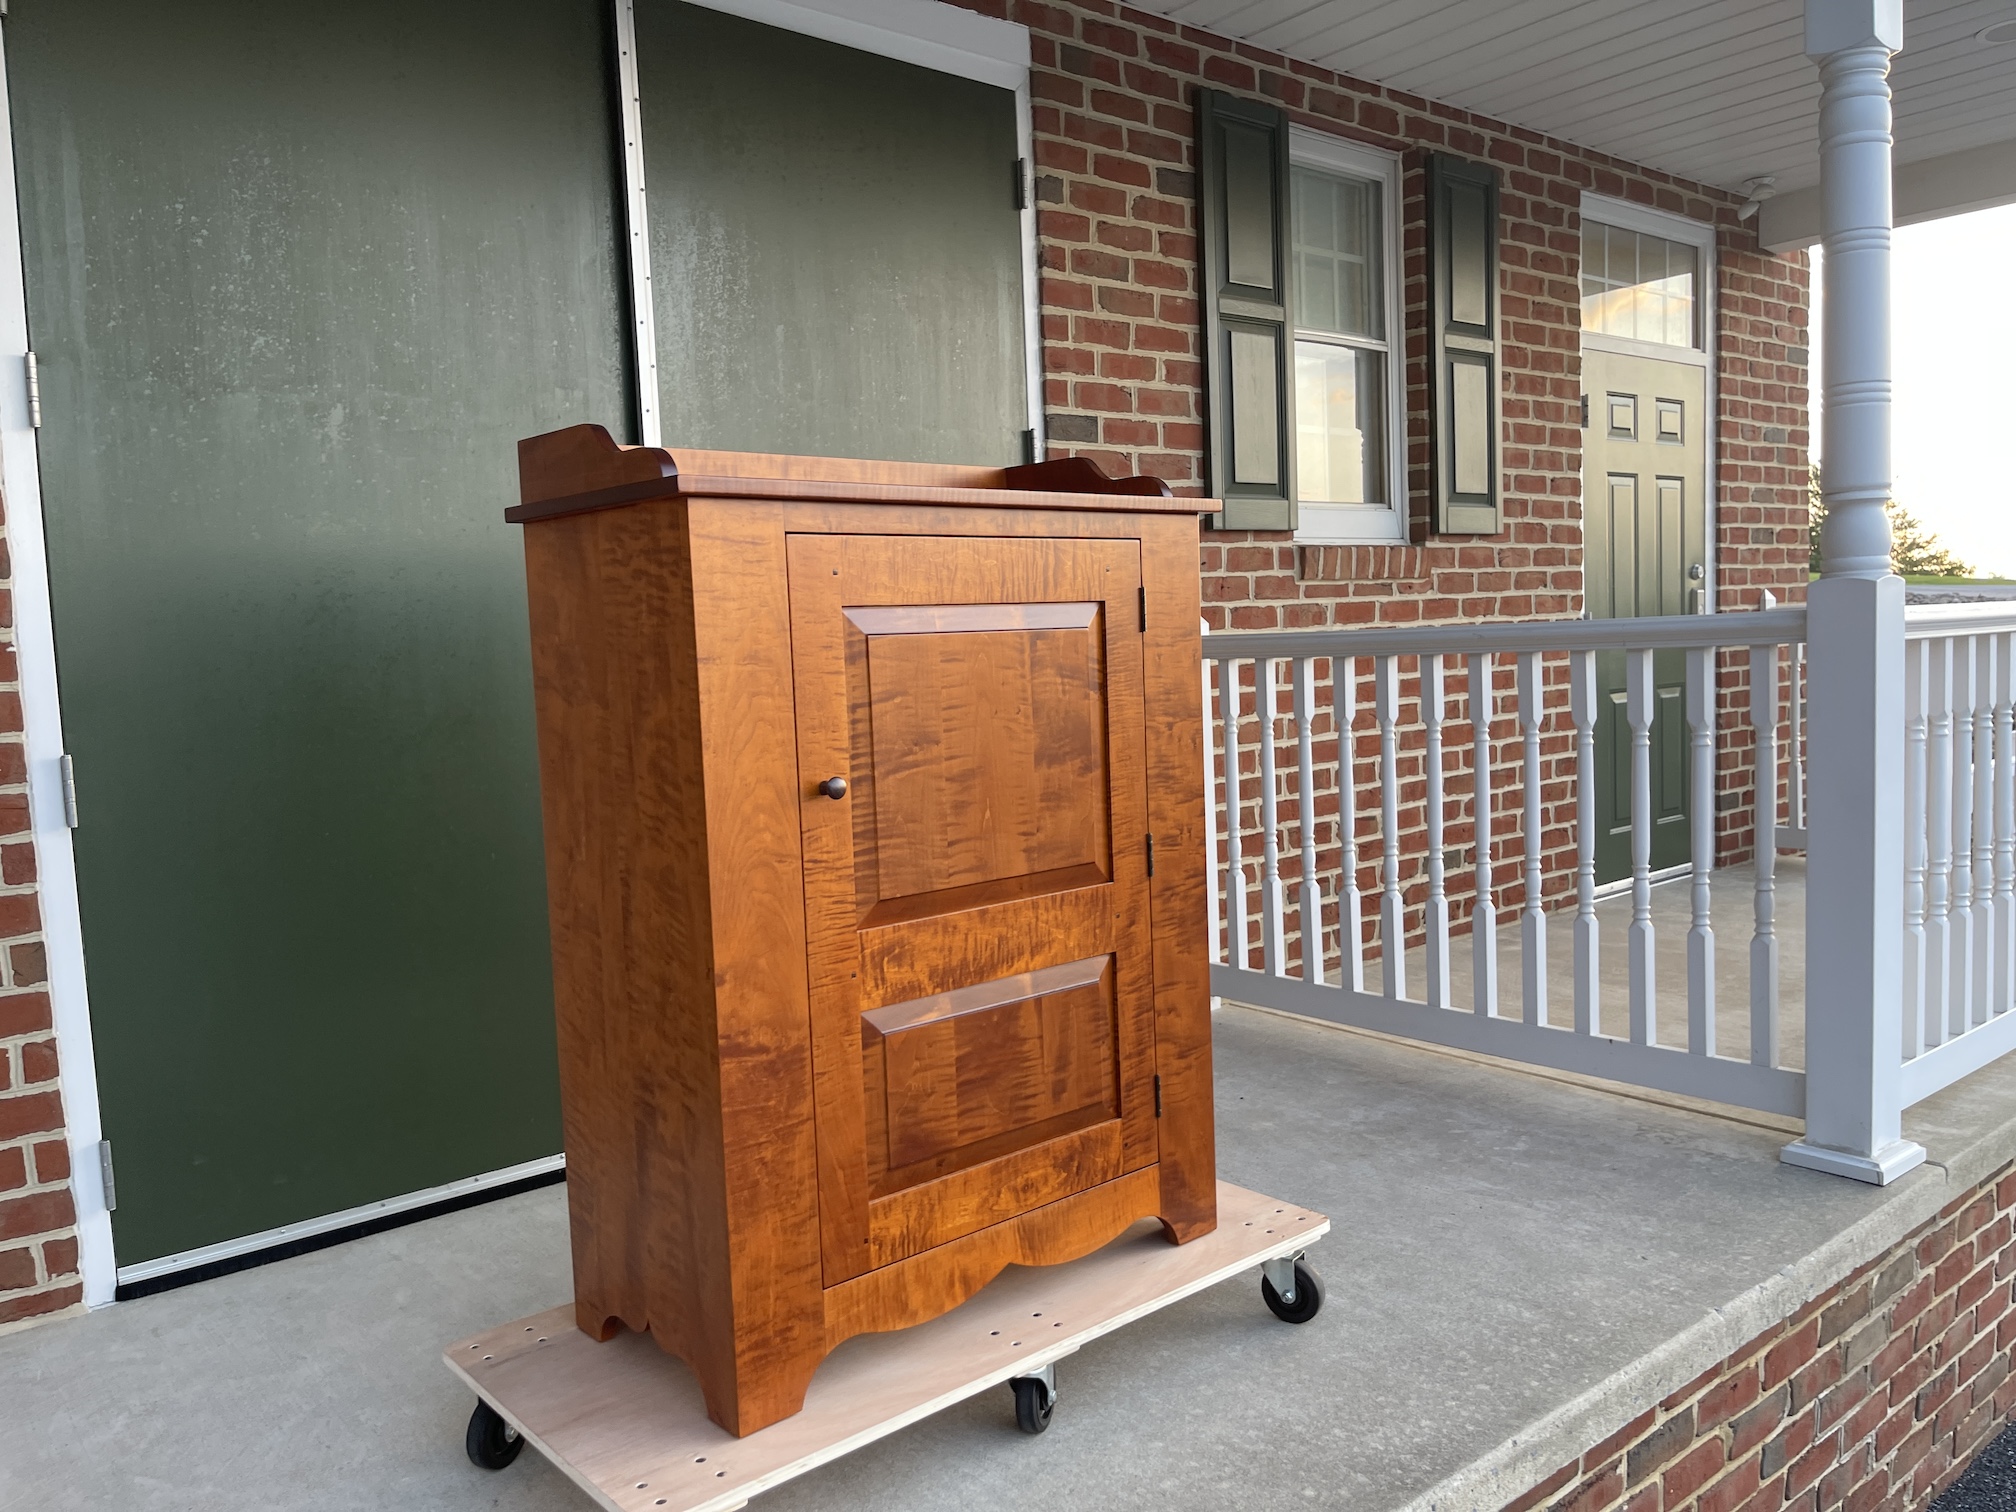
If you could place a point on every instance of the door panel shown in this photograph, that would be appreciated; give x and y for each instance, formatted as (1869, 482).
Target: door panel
(1644, 542)
(977, 902)
(836, 254)
(299, 278)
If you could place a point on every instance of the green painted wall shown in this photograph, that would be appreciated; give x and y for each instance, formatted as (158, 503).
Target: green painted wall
(299, 278)
(834, 245)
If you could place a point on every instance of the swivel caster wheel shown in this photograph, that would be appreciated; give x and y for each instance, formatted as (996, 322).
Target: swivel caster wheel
(1292, 1291)
(492, 1443)
(1035, 1400)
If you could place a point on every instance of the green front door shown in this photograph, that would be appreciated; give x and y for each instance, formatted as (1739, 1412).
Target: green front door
(299, 277)
(1644, 552)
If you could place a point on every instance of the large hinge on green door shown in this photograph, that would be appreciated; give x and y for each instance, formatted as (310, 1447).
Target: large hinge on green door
(34, 372)
(68, 770)
(110, 1186)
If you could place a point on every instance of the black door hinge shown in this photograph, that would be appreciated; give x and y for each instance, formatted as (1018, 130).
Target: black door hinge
(1585, 412)
(1151, 855)
(1021, 183)
(1158, 1097)
(1028, 447)
(1144, 608)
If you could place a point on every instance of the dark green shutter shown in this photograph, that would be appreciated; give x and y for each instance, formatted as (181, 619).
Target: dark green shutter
(1463, 335)
(1249, 373)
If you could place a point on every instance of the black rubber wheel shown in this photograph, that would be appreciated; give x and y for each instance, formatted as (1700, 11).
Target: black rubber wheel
(492, 1442)
(1033, 1404)
(1308, 1296)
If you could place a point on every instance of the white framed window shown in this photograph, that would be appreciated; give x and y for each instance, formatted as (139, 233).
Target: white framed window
(1350, 401)
(1648, 281)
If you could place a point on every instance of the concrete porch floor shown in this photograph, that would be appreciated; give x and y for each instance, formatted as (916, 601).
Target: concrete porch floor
(1515, 1256)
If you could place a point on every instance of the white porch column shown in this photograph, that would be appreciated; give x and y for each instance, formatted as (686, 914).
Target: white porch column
(1855, 635)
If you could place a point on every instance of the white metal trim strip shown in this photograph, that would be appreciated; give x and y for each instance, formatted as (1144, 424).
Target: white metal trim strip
(637, 219)
(307, 1228)
(940, 37)
(1768, 1089)
(42, 720)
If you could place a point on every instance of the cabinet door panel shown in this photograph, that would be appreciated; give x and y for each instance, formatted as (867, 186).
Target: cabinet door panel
(976, 903)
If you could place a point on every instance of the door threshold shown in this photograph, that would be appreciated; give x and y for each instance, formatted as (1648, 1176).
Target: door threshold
(1621, 888)
(311, 1234)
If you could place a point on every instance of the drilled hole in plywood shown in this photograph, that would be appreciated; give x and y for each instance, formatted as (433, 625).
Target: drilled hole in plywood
(993, 1333)
(699, 1459)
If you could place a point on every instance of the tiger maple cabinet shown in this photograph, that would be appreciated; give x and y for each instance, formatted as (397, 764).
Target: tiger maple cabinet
(875, 845)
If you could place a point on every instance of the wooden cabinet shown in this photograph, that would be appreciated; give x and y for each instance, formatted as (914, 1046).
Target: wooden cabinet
(874, 836)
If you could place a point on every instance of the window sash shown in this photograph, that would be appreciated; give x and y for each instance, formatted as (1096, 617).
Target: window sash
(1378, 505)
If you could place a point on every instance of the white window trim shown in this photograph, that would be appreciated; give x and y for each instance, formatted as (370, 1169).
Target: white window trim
(1366, 524)
(923, 32)
(1674, 228)
(1701, 236)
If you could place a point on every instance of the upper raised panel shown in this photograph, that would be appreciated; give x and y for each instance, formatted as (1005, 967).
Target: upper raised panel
(980, 744)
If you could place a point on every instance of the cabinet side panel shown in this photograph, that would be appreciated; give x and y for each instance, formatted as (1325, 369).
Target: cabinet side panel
(741, 612)
(627, 868)
(1174, 712)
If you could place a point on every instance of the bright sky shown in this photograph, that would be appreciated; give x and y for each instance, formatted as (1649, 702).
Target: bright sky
(1954, 436)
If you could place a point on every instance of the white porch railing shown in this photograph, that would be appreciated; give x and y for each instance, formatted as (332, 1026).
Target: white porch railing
(1959, 842)
(1488, 826)
(1523, 775)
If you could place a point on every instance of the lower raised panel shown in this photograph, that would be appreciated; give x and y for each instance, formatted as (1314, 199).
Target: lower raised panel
(962, 1078)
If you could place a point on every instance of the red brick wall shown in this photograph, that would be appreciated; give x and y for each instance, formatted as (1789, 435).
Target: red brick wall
(1112, 89)
(1874, 1395)
(38, 1224)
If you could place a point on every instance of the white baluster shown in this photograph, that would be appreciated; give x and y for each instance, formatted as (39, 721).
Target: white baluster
(1273, 946)
(1639, 697)
(1764, 940)
(1533, 923)
(1583, 707)
(1962, 916)
(1484, 913)
(1701, 777)
(1916, 691)
(1392, 909)
(1213, 911)
(1305, 817)
(1434, 709)
(1980, 999)
(1239, 951)
(1350, 903)
(1938, 839)
(2005, 827)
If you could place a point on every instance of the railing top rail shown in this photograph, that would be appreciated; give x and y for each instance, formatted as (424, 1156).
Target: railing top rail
(1649, 633)
(1922, 620)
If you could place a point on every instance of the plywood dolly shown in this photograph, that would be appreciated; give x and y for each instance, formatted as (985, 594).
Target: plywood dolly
(625, 1422)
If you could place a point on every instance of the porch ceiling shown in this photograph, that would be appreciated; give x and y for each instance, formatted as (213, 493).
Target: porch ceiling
(1719, 91)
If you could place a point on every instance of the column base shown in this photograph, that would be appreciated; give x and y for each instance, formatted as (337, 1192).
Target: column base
(1884, 1167)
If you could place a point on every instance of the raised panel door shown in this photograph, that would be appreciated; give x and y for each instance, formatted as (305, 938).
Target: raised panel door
(976, 897)
(1644, 553)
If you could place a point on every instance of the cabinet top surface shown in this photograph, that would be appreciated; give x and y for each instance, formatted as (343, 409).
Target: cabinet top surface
(582, 468)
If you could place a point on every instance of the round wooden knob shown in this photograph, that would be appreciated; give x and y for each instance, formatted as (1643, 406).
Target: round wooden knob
(834, 787)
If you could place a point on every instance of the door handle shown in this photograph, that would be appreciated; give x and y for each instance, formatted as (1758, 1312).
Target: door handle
(834, 787)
